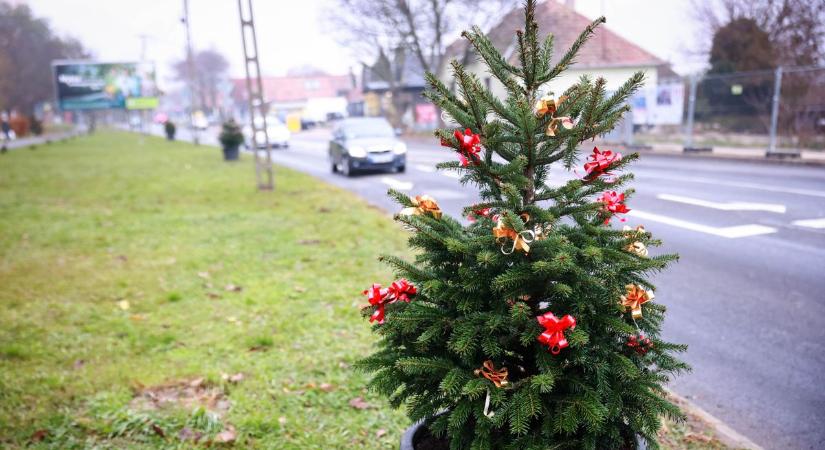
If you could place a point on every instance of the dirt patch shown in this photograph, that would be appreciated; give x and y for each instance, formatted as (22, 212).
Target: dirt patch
(186, 394)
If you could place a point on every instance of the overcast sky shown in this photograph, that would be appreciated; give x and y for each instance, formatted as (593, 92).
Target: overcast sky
(290, 33)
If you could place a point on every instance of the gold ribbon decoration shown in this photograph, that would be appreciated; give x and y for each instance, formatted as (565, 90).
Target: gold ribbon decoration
(488, 371)
(520, 240)
(638, 248)
(548, 106)
(635, 296)
(565, 122)
(422, 205)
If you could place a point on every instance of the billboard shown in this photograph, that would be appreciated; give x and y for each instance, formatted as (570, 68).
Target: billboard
(105, 85)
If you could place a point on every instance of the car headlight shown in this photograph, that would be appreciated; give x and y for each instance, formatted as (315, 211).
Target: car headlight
(400, 148)
(357, 152)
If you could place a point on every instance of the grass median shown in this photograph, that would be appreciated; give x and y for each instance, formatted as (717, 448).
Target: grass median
(152, 298)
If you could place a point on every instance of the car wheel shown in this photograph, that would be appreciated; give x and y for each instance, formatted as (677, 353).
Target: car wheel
(346, 167)
(334, 167)
(401, 169)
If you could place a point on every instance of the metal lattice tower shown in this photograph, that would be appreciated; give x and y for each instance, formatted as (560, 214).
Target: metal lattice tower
(254, 90)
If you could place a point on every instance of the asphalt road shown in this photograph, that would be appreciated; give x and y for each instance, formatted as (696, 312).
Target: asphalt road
(748, 295)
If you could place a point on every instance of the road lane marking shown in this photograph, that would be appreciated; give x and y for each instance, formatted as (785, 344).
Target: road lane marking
(762, 187)
(457, 176)
(397, 184)
(734, 232)
(423, 168)
(728, 206)
(810, 223)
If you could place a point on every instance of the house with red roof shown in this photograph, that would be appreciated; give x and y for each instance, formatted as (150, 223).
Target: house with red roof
(606, 55)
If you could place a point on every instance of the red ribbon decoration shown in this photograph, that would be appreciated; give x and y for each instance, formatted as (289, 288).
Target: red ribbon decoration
(599, 162)
(479, 213)
(469, 144)
(553, 335)
(377, 296)
(613, 203)
(399, 290)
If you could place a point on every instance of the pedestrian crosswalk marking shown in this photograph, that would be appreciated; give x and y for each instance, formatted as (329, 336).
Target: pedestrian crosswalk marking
(725, 206)
(397, 184)
(733, 232)
(810, 223)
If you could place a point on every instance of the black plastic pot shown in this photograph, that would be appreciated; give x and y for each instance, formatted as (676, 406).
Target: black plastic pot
(408, 439)
(230, 153)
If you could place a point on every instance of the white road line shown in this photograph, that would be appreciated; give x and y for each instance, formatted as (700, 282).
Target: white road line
(761, 187)
(397, 184)
(810, 223)
(729, 206)
(725, 232)
(423, 168)
(457, 176)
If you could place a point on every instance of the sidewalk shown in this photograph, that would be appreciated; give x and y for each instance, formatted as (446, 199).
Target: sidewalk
(30, 141)
(810, 157)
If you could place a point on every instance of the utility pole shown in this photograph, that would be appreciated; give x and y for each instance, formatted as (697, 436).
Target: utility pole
(254, 90)
(190, 69)
(777, 88)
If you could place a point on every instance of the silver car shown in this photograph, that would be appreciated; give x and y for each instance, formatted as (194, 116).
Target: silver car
(366, 143)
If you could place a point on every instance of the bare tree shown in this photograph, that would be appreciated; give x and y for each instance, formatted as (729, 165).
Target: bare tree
(210, 72)
(796, 27)
(384, 34)
(27, 48)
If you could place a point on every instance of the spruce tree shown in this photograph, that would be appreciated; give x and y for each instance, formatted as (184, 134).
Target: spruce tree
(533, 326)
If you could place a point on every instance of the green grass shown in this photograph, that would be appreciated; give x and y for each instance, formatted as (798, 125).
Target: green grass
(166, 227)
(116, 258)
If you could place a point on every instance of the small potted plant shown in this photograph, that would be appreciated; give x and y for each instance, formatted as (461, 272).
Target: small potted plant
(231, 139)
(170, 130)
(533, 324)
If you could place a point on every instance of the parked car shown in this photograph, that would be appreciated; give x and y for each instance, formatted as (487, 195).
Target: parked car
(366, 144)
(199, 121)
(279, 134)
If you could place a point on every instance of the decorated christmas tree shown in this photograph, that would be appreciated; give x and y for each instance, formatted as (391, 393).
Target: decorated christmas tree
(533, 325)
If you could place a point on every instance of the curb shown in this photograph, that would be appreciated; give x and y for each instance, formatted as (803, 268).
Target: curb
(722, 431)
(747, 159)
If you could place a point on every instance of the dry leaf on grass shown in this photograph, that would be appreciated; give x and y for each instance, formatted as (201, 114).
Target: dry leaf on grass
(380, 433)
(236, 378)
(326, 387)
(359, 403)
(204, 275)
(123, 304)
(233, 288)
(282, 420)
(226, 436)
(39, 435)
(158, 430)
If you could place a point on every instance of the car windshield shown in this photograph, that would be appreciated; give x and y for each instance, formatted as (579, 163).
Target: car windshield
(368, 129)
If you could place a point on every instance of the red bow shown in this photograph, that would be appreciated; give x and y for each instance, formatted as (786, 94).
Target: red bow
(400, 290)
(470, 145)
(613, 203)
(598, 163)
(553, 335)
(479, 213)
(377, 296)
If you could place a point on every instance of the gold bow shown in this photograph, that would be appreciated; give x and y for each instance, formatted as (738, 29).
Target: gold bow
(638, 248)
(520, 240)
(546, 105)
(635, 296)
(488, 371)
(422, 205)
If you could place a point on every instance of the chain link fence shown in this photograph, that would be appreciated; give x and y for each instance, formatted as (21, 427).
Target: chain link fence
(777, 112)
